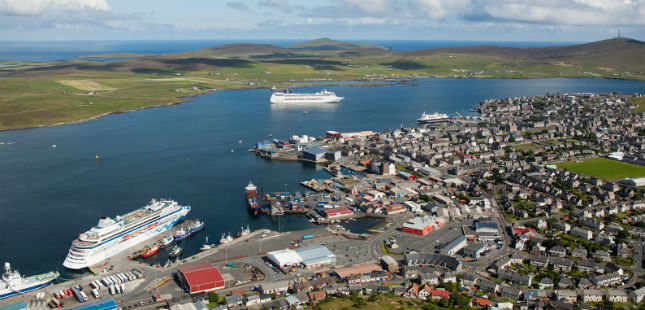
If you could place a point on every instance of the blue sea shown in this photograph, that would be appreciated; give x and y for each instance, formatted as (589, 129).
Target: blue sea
(191, 153)
(64, 50)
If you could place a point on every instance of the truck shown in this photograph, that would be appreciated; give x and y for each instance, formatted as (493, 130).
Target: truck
(95, 293)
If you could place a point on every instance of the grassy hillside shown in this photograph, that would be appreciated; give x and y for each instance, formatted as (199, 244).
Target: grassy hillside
(38, 94)
(326, 44)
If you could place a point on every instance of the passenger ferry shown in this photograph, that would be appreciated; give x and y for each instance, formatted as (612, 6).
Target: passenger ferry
(112, 236)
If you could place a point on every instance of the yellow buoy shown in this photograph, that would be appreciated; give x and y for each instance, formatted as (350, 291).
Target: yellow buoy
(97, 157)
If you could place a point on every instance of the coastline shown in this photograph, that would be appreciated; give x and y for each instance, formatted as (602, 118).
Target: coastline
(181, 100)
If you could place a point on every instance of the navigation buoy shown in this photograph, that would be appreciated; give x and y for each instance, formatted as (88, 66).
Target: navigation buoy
(97, 157)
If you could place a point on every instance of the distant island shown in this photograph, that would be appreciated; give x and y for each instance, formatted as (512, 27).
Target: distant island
(52, 93)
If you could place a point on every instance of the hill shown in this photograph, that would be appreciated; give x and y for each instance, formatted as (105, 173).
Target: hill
(613, 54)
(326, 44)
(236, 48)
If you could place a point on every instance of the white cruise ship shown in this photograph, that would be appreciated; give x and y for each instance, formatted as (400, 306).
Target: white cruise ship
(12, 283)
(431, 118)
(112, 236)
(287, 96)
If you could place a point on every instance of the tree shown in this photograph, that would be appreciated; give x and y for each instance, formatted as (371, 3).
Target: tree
(213, 297)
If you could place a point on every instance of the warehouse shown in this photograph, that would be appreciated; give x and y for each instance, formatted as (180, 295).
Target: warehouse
(346, 272)
(313, 154)
(311, 257)
(200, 278)
(422, 225)
(337, 212)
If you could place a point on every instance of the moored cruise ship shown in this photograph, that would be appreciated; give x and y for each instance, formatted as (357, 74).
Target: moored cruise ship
(12, 283)
(323, 96)
(112, 236)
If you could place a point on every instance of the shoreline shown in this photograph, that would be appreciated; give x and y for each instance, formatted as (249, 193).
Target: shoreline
(182, 100)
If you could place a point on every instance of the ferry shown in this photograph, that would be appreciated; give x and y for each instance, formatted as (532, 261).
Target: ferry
(252, 199)
(149, 251)
(323, 96)
(112, 236)
(182, 234)
(13, 283)
(164, 242)
(433, 118)
(197, 226)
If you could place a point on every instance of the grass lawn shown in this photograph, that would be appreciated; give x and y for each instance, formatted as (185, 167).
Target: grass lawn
(525, 147)
(604, 168)
(640, 102)
(384, 303)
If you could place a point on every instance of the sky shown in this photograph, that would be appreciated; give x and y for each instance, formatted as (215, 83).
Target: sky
(459, 20)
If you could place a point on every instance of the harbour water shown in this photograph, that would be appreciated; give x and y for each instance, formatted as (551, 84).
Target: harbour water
(190, 153)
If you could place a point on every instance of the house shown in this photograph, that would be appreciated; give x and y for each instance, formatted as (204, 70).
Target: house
(424, 291)
(561, 264)
(545, 283)
(293, 301)
(449, 277)
(558, 305)
(539, 261)
(558, 251)
(565, 283)
(579, 252)
(592, 296)
(438, 294)
(581, 233)
(488, 286)
(515, 277)
(584, 283)
(233, 301)
(511, 293)
(315, 296)
(617, 296)
(480, 302)
(606, 279)
(637, 295)
(569, 296)
(563, 226)
(253, 300)
(602, 255)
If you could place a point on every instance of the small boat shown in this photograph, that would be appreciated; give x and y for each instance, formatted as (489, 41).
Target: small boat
(182, 234)
(149, 251)
(239, 142)
(164, 242)
(197, 226)
(175, 252)
(223, 240)
(244, 231)
(229, 238)
(305, 112)
(206, 246)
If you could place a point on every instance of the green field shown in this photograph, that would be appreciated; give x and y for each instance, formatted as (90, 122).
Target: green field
(51, 93)
(604, 168)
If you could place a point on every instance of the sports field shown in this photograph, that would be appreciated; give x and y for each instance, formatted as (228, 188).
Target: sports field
(603, 168)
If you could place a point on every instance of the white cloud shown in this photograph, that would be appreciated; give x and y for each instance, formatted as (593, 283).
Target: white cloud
(437, 9)
(371, 6)
(567, 12)
(41, 7)
(280, 4)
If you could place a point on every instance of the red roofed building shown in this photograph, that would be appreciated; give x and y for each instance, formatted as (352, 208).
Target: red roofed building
(200, 278)
(518, 231)
(337, 212)
(440, 294)
(481, 302)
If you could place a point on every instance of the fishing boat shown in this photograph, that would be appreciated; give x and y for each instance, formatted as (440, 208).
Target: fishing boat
(244, 231)
(206, 246)
(223, 240)
(197, 226)
(229, 238)
(175, 252)
(149, 251)
(252, 199)
(182, 234)
(164, 242)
